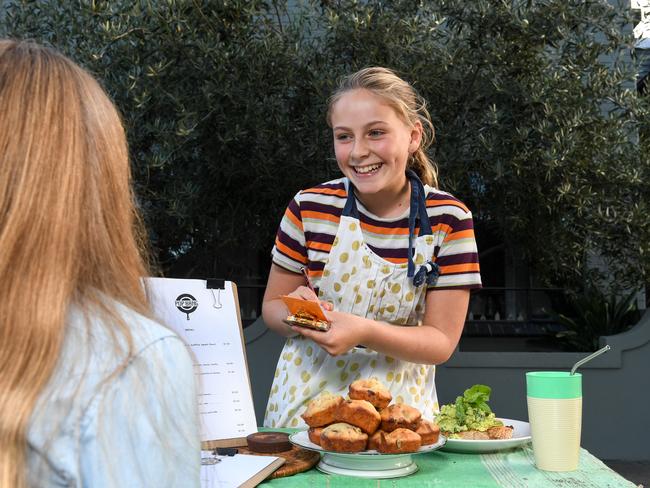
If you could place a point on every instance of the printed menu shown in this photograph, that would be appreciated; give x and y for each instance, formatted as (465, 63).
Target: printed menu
(206, 315)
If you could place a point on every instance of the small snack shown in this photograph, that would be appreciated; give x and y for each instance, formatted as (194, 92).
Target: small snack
(322, 410)
(314, 434)
(372, 391)
(305, 313)
(398, 441)
(470, 417)
(375, 439)
(342, 437)
(428, 432)
(360, 413)
(265, 442)
(398, 416)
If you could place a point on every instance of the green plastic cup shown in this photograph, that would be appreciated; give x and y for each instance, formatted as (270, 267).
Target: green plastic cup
(555, 413)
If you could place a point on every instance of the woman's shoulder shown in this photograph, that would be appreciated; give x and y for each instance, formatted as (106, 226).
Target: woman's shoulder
(69, 412)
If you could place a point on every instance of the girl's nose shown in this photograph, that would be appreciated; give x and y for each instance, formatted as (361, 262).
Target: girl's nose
(359, 149)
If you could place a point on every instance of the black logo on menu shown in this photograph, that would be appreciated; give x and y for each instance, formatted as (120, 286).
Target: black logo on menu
(186, 303)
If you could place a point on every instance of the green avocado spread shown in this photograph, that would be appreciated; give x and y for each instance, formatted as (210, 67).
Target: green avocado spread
(469, 412)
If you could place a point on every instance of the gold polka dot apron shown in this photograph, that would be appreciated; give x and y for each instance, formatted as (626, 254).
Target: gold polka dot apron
(358, 281)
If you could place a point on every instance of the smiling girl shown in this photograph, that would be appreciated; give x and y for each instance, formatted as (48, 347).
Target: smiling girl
(391, 258)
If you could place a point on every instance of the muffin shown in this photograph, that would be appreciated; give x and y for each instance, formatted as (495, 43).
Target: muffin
(372, 391)
(398, 441)
(400, 416)
(375, 439)
(314, 434)
(360, 413)
(428, 432)
(322, 410)
(342, 437)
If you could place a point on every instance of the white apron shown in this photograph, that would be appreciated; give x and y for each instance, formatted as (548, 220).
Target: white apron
(358, 281)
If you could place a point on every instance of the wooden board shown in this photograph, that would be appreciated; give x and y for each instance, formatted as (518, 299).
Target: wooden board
(297, 460)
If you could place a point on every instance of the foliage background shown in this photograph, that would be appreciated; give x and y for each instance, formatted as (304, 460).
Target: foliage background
(537, 120)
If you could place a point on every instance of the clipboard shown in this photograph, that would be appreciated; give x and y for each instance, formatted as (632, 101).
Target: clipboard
(206, 315)
(239, 471)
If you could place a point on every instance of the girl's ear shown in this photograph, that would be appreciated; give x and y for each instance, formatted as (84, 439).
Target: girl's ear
(416, 137)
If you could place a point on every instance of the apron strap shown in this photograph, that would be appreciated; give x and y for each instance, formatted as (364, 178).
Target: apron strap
(350, 209)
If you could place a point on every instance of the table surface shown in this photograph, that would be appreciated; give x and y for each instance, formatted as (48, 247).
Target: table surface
(505, 469)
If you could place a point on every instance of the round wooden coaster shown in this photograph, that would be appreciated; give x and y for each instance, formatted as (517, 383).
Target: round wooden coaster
(297, 460)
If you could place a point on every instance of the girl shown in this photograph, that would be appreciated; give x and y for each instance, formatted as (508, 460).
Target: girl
(391, 258)
(92, 392)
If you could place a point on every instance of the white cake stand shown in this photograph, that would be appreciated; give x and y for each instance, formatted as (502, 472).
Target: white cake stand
(365, 464)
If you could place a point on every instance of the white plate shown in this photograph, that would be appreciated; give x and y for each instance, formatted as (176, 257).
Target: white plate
(364, 464)
(520, 437)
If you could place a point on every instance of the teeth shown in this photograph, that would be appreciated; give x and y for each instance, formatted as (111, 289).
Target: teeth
(367, 169)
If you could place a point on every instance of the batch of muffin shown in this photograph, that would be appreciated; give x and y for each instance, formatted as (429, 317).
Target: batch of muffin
(367, 421)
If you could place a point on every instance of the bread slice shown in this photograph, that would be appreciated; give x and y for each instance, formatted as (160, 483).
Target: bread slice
(474, 435)
(502, 432)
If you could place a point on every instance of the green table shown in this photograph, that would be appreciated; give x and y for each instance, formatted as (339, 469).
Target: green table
(506, 469)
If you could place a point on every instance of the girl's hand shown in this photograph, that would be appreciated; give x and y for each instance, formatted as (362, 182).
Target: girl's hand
(346, 331)
(306, 293)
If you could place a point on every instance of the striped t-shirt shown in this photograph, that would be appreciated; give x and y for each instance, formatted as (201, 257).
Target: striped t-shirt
(311, 221)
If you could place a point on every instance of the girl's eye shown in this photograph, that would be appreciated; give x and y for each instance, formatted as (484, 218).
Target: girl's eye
(342, 137)
(376, 133)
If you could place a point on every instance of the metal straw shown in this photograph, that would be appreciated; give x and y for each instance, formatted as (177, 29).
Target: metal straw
(589, 358)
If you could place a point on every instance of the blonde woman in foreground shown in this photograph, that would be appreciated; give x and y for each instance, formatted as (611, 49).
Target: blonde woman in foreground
(92, 392)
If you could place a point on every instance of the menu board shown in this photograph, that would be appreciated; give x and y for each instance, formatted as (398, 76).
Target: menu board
(205, 313)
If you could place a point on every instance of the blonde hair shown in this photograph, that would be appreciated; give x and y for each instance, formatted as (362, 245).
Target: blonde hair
(408, 104)
(69, 231)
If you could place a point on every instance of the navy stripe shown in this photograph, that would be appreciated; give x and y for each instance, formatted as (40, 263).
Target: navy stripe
(469, 257)
(291, 243)
(319, 237)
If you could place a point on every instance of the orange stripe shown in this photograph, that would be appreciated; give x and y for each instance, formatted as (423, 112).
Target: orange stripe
(290, 252)
(455, 203)
(327, 191)
(460, 268)
(462, 234)
(316, 274)
(446, 228)
(296, 221)
(319, 215)
(319, 246)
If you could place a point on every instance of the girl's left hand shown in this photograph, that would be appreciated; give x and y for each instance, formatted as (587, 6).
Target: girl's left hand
(346, 331)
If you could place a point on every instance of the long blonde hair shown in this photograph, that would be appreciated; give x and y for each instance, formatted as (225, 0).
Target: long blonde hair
(408, 104)
(69, 232)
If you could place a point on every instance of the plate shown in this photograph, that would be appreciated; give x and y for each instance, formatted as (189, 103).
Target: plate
(364, 464)
(520, 437)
